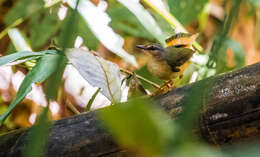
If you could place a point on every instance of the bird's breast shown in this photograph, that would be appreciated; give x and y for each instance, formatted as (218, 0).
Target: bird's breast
(160, 68)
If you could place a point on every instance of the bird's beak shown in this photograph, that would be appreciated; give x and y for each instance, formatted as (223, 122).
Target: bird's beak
(144, 47)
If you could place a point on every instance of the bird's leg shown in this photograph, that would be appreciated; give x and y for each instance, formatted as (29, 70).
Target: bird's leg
(165, 88)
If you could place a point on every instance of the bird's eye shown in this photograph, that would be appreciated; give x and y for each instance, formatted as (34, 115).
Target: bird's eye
(154, 47)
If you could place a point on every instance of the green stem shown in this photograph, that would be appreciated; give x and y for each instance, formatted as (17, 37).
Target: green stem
(92, 100)
(16, 23)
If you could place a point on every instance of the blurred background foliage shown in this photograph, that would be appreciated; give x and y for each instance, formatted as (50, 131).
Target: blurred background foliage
(229, 35)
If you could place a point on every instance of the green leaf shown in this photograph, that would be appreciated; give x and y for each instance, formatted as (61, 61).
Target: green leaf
(11, 49)
(81, 28)
(145, 19)
(53, 83)
(98, 23)
(167, 29)
(239, 53)
(9, 123)
(98, 72)
(221, 58)
(203, 18)
(187, 74)
(196, 150)
(129, 26)
(23, 56)
(192, 103)
(84, 31)
(138, 125)
(250, 149)
(67, 36)
(41, 71)
(20, 44)
(186, 11)
(43, 26)
(218, 49)
(23, 9)
(254, 3)
(38, 136)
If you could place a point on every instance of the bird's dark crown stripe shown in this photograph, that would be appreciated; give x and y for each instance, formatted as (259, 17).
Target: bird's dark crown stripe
(177, 36)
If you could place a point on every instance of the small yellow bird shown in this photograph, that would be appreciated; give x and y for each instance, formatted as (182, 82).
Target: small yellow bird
(165, 62)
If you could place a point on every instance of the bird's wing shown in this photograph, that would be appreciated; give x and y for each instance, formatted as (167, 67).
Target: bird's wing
(177, 56)
(181, 39)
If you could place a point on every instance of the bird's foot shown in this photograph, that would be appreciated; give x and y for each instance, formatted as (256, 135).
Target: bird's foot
(165, 88)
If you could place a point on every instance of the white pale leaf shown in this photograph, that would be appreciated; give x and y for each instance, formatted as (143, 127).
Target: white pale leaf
(98, 21)
(18, 40)
(97, 71)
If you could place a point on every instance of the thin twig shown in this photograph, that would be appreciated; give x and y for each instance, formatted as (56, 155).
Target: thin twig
(140, 77)
(130, 73)
(72, 108)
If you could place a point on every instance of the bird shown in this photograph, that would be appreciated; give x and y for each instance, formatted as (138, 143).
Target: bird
(165, 62)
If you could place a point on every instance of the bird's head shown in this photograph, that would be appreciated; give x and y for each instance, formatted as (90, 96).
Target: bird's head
(153, 49)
